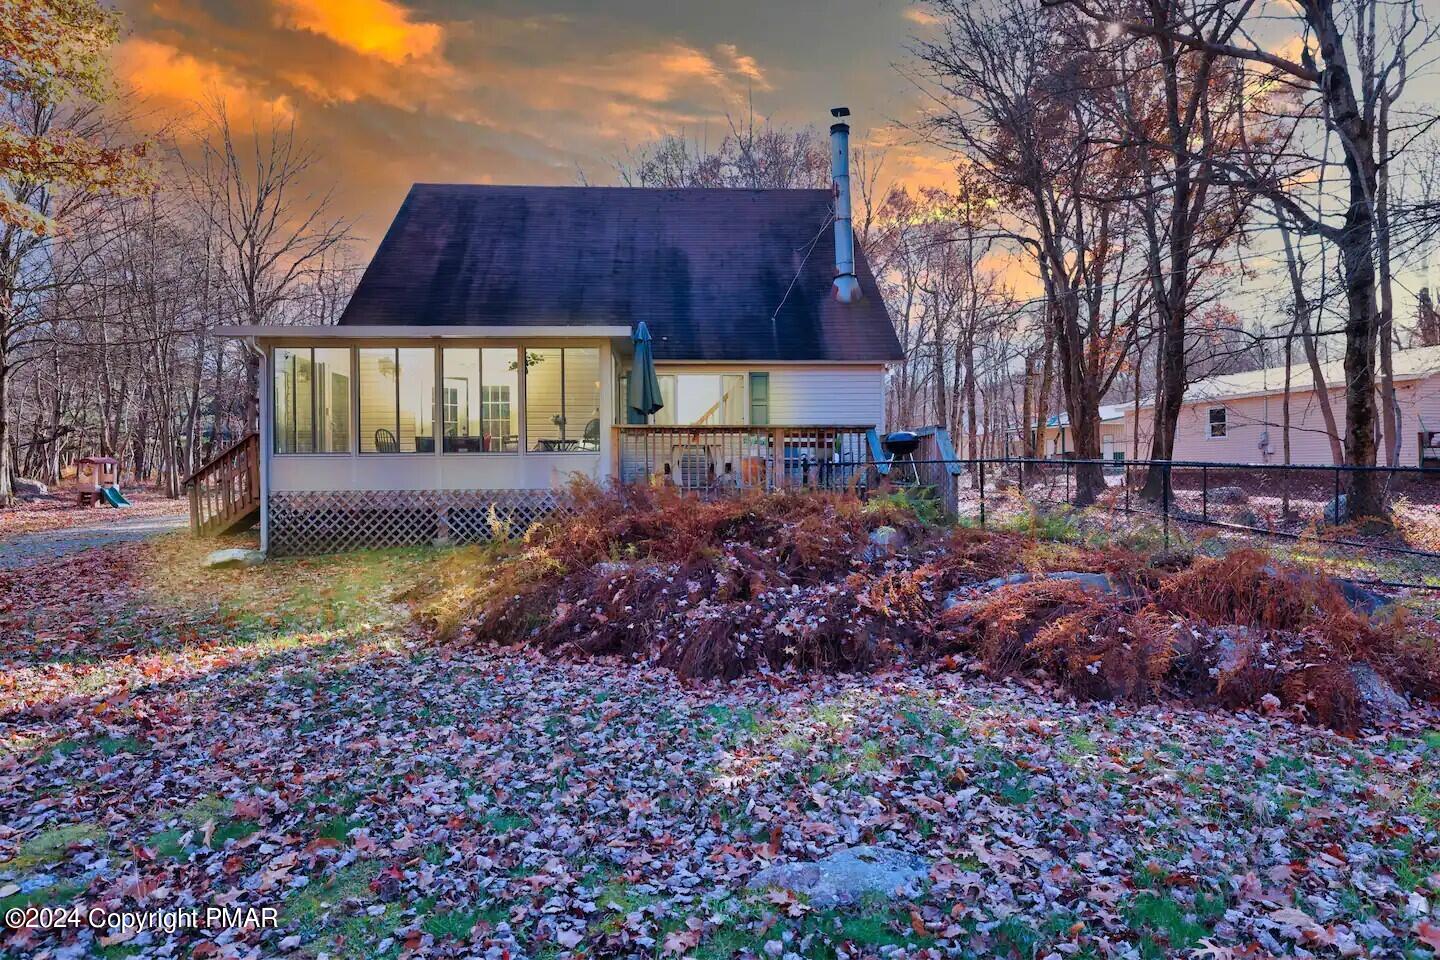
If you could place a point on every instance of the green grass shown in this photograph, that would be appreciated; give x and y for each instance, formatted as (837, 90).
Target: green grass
(1165, 928)
(321, 916)
(51, 896)
(50, 846)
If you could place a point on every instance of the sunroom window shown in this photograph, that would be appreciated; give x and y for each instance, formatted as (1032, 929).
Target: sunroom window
(562, 399)
(480, 397)
(397, 400)
(312, 400)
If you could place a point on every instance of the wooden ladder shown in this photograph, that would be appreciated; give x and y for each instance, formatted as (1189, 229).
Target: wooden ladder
(225, 492)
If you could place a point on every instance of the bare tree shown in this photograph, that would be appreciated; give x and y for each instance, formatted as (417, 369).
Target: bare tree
(274, 228)
(1344, 80)
(1024, 111)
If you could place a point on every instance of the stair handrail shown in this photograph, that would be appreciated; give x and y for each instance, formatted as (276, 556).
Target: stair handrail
(210, 465)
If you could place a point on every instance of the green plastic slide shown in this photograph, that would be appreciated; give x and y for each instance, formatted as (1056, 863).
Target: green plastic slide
(114, 497)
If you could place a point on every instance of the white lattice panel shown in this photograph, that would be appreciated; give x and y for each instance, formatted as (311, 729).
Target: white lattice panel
(335, 522)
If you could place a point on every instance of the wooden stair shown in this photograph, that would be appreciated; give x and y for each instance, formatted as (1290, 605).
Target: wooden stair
(225, 492)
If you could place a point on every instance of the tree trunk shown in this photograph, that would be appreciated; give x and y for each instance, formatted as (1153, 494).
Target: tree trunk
(7, 468)
(1357, 256)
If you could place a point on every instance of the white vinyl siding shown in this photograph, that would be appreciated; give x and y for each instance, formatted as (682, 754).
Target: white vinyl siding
(849, 396)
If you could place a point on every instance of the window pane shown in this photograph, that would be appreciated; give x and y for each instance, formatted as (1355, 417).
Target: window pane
(460, 400)
(582, 395)
(562, 398)
(332, 400)
(379, 377)
(733, 401)
(292, 401)
(417, 399)
(665, 416)
(500, 399)
(543, 403)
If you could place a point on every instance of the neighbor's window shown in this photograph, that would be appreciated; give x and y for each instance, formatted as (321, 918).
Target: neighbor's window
(397, 400)
(480, 397)
(312, 400)
(562, 398)
(1217, 421)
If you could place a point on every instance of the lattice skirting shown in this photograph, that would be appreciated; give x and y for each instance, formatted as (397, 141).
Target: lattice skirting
(337, 521)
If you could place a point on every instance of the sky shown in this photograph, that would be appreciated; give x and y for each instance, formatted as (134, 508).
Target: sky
(506, 91)
(392, 92)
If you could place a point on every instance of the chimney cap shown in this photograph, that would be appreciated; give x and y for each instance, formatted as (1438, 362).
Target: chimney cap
(839, 111)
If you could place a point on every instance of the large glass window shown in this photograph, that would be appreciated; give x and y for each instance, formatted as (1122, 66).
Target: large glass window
(562, 398)
(702, 399)
(312, 400)
(397, 400)
(480, 397)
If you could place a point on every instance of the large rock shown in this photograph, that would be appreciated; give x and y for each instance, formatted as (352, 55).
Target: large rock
(885, 542)
(1380, 702)
(1096, 583)
(233, 557)
(25, 488)
(845, 877)
(1232, 495)
(1335, 517)
(1362, 600)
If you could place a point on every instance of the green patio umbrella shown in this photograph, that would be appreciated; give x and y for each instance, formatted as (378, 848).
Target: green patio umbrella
(643, 394)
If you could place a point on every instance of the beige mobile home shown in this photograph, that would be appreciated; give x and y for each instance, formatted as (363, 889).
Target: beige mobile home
(1239, 418)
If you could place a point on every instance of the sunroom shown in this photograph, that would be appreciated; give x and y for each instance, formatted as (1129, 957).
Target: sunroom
(369, 438)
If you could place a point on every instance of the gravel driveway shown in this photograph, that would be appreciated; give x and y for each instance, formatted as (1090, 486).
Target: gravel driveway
(30, 547)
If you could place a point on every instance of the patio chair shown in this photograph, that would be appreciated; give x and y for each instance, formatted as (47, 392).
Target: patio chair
(385, 441)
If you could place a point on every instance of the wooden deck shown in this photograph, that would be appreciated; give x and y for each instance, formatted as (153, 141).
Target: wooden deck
(711, 457)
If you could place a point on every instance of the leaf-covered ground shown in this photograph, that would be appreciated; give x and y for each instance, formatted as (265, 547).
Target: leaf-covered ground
(282, 737)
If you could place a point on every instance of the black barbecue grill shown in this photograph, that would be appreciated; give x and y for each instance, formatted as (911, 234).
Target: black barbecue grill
(901, 445)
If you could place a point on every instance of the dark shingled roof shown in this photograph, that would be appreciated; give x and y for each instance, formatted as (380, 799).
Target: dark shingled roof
(705, 269)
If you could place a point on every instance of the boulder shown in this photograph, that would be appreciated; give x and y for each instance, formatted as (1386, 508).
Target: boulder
(1335, 517)
(233, 557)
(26, 488)
(1096, 583)
(846, 876)
(884, 542)
(1229, 495)
(1362, 600)
(1380, 702)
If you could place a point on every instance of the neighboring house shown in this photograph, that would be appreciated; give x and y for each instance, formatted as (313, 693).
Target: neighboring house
(483, 359)
(1058, 441)
(1239, 417)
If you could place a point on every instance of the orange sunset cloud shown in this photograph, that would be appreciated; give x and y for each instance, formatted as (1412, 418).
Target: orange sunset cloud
(167, 76)
(376, 28)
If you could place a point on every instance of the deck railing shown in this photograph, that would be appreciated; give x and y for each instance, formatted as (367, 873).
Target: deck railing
(710, 457)
(225, 492)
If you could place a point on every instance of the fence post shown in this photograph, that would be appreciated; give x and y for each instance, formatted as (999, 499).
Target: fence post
(1165, 504)
(1205, 492)
(1127, 487)
(1067, 481)
(1337, 496)
(982, 494)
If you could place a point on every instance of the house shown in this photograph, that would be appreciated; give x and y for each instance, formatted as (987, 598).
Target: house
(1057, 441)
(484, 357)
(1238, 418)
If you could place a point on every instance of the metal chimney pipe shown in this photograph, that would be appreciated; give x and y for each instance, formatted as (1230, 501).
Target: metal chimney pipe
(847, 287)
